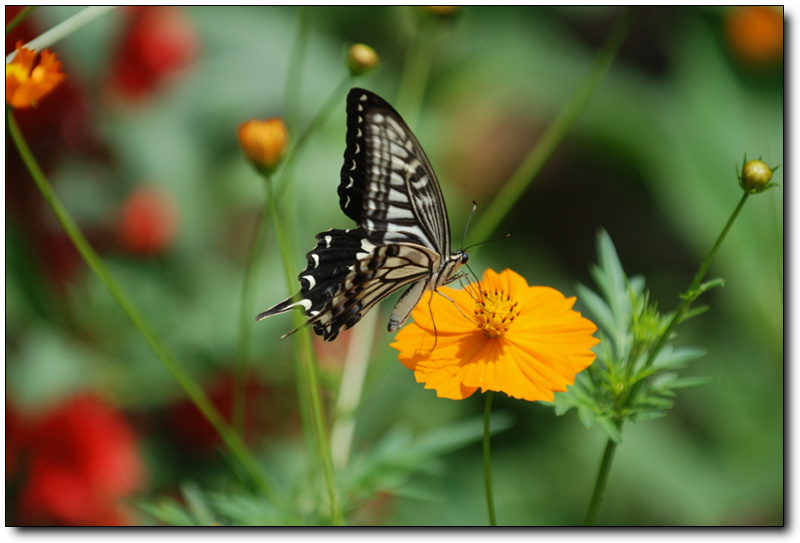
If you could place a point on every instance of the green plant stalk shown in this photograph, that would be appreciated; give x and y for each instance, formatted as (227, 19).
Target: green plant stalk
(284, 169)
(245, 328)
(600, 484)
(19, 18)
(687, 299)
(232, 440)
(487, 458)
(415, 71)
(308, 367)
(63, 29)
(694, 289)
(499, 207)
(295, 71)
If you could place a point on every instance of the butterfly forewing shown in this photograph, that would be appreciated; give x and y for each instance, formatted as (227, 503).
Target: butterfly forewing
(403, 237)
(387, 184)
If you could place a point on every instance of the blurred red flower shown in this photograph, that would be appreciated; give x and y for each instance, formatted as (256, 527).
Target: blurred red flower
(158, 41)
(76, 465)
(147, 221)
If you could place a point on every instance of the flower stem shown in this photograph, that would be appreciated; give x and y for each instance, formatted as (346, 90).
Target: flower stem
(284, 171)
(694, 289)
(19, 18)
(193, 390)
(245, 328)
(538, 156)
(416, 71)
(308, 382)
(487, 458)
(63, 29)
(296, 63)
(600, 484)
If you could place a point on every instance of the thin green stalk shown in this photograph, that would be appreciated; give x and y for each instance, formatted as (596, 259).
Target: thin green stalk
(63, 29)
(416, 70)
(246, 313)
(600, 484)
(487, 458)
(19, 18)
(308, 365)
(296, 62)
(284, 169)
(232, 440)
(499, 207)
(694, 288)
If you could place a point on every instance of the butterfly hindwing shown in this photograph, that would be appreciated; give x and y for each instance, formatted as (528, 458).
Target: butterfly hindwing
(403, 237)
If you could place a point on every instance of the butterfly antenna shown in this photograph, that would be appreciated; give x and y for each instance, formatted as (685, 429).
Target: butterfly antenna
(490, 241)
(469, 220)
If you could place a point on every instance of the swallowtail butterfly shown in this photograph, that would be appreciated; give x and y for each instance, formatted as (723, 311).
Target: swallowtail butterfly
(403, 236)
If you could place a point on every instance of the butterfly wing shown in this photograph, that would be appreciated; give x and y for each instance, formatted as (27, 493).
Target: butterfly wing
(347, 275)
(387, 184)
(388, 187)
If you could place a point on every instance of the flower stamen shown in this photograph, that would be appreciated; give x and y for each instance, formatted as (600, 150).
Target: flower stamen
(495, 312)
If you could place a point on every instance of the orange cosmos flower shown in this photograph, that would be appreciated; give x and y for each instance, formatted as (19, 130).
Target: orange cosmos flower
(25, 83)
(499, 334)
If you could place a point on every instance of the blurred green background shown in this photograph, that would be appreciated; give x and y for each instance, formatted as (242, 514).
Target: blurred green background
(652, 160)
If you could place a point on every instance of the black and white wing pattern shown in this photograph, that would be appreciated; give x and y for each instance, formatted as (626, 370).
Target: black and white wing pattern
(403, 236)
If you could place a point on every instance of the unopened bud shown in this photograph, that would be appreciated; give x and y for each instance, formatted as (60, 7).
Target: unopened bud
(361, 59)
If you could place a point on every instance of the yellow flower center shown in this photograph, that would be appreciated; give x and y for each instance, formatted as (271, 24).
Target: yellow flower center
(17, 72)
(495, 312)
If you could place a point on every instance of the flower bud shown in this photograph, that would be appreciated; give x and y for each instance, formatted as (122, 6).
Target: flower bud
(361, 59)
(441, 11)
(756, 176)
(264, 142)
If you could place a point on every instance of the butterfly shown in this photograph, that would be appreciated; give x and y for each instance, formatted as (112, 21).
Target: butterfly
(403, 235)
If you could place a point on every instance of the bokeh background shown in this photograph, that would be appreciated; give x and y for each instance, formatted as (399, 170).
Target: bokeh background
(140, 143)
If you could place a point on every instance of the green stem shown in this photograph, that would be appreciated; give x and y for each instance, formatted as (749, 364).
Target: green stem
(19, 18)
(416, 71)
(538, 156)
(245, 329)
(308, 376)
(63, 29)
(295, 72)
(600, 484)
(284, 170)
(487, 458)
(694, 291)
(193, 390)
(687, 299)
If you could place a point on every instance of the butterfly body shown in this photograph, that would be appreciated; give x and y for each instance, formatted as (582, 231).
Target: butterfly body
(403, 236)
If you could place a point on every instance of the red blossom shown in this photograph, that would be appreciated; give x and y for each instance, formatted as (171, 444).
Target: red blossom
(158, 41)
(80, 462)
(147, 221)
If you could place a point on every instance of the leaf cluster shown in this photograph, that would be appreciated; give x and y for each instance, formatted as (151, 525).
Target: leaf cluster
(389, 467)
(628, 380)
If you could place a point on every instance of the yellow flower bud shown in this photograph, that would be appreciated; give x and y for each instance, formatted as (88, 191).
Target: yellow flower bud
(264, 142)
(756, 176)
(361, 59)
(441, 11)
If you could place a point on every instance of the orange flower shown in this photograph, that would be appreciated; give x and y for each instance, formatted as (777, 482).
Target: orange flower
(25, 83)
(755, 33)
(525, 341)
(264, 142)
